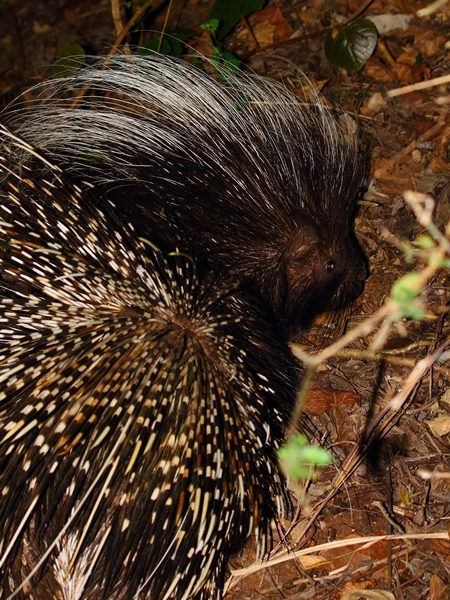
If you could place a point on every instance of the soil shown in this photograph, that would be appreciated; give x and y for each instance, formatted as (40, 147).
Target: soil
(374, 524)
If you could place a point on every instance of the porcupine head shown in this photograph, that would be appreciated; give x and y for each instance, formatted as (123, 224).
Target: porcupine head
(242, 173)
(277, 211)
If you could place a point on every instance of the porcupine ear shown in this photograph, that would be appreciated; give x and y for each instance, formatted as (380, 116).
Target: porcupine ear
(129, 380)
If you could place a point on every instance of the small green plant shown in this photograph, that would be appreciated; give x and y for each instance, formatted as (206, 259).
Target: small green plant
(228, 61)
(300, 460)
(349, 45)
(405, 293)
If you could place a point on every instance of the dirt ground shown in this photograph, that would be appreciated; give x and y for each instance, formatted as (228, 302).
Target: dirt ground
(391, 453)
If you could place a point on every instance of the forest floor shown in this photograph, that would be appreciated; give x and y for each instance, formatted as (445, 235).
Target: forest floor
(374, 524)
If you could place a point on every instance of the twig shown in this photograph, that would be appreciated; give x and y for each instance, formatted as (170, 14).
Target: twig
(169, 8)
(421, 85)
(365, 542)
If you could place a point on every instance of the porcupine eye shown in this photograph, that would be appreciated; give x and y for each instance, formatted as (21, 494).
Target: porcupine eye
(330, 266)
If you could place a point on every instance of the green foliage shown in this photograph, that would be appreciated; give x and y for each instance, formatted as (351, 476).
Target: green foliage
(230, 12)
(69, 60)
(350, 46)
(444, 263)
(405, 294)
(425, 242)
(212, 26)
(300, 459)
(226, 60)
(172, 45)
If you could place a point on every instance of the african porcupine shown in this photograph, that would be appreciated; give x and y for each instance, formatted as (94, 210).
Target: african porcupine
(241, 173)
(141, 403)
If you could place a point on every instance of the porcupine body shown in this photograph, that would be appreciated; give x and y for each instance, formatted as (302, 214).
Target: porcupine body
(243, 174)
(142, 400)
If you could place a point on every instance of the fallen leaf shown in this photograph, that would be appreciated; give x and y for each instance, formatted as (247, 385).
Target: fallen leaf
(322, 399)
(367, 595)
(437, 588)
(440, 425)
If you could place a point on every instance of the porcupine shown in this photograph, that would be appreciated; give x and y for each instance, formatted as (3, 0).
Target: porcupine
(273, 269)
(243, 173)
(142, 400)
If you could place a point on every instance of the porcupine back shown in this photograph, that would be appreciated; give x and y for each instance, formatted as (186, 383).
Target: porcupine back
(243, 173)
(142, 401)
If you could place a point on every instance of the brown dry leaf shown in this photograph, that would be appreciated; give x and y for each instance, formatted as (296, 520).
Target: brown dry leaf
(386, 6)
(202, 43)
(282, 28)
(427, 41)
(345, 426)
(438, 165)
(408, 57)
(367, 595)
(368, 584)
(437, 588)
(322, 399)
(264, 32)
(440, 425)
(375, 68)
(441, 547)
(405, 70)
(392, 176)
(268, 26)
(375, 104)
(402, 6)
(419, 126)
(441, 485)
(403, 73)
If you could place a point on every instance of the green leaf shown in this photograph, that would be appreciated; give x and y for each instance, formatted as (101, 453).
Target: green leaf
(232, 62)
(230, 12)
(69, 60)
(317, 456)
(212, 25)
(226, 63)
(425, 242)
(172, 45)
(405, 294)
(350, 47)
(445, 263)
(299, 458)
